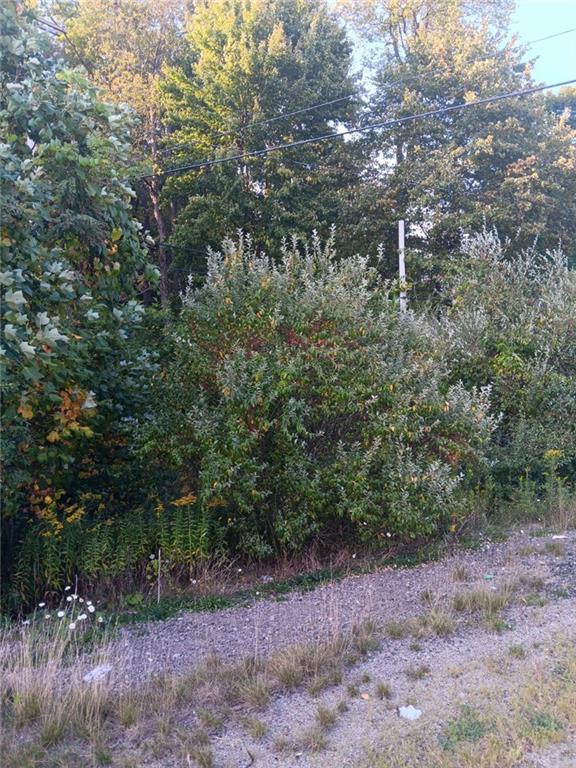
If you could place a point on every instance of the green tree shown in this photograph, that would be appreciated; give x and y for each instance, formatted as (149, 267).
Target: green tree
(248, 62)
(72, 267)
(510, 163)
(124, 46)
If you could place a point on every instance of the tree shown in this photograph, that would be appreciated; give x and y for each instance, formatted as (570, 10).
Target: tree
(72, 267)
(251, 62)
(124, 46)
(510, 163)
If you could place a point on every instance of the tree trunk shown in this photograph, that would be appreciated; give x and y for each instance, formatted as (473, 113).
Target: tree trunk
(163, 255)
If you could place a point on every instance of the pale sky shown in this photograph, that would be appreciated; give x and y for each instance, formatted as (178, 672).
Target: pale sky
(538, 18)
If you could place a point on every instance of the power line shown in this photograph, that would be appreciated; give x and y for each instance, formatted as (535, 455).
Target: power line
(340, 99)
(551, 37)
(269, 120)
(350, 131)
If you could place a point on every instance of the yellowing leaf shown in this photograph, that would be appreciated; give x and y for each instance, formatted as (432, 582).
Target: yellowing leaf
(26, 411)
(53, 436)
(116, 234)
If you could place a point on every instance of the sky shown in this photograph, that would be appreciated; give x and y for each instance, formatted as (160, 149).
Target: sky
(537, 18)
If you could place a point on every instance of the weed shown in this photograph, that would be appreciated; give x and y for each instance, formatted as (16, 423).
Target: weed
(312, 739)
(397, 630)
(556, 548)
(415, 646)
(437, 621)
(281, 744)
(325, 717)
(383, 691)
(419, 672)
(460, 573)
(365, 678)
(468, 726)
(352, 690)
(254, 727)
(427, 597)
(210, 720)
(202, 757)
(517, 652)
(484, 600)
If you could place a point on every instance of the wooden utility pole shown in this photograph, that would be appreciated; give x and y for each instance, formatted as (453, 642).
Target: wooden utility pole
(402, 267)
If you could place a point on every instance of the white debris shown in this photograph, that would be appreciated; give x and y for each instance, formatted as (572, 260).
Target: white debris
(560, 537)
(409, 712)
(98, 673)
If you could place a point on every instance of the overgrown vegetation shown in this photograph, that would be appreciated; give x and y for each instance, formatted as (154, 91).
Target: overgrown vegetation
(282, 403)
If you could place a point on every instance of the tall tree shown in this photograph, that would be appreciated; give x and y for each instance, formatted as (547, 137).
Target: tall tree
(125, 45)
(252, 61)
(510, 162)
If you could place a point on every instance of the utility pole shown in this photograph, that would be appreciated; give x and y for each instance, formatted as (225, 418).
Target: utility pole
(402, 267)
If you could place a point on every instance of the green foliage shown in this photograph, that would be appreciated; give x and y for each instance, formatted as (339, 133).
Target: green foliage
(297, 404)
(509, 163)
(510, 326)
(469, 726)
(72, 266)
(247, 62)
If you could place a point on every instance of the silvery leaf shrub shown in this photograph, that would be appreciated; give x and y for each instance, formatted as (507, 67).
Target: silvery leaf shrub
(297, 406)
(511, 325)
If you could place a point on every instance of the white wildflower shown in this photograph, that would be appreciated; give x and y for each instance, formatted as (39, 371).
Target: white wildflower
(61, 614)
(68, 599)
(82, 617)
(72, 625)
(67, 588)
(41, 605)
(91, 609)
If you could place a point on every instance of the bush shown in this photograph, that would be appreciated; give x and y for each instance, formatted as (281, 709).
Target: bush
(297, 405)
(73, 265)
(511, 325)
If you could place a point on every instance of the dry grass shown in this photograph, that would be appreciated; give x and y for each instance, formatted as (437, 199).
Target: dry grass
(51, 716)
(502, 731)
(484, 601)
(460, 573)
(435, 621)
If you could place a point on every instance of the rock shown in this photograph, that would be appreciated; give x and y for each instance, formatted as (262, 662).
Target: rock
(98, 673)
(409, 712)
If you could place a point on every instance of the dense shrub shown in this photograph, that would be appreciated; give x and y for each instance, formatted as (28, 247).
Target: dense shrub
(298, 404)
(72, 268)
(511, 325)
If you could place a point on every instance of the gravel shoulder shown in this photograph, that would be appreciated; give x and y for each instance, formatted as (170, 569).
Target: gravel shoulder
(390, 594)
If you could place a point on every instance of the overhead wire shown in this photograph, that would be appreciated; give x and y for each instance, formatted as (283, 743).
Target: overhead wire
(311, 107)
(350, 131)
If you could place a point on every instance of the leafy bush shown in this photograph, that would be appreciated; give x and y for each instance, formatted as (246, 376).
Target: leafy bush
(511, 325)
(72, 267)
(297, 404)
